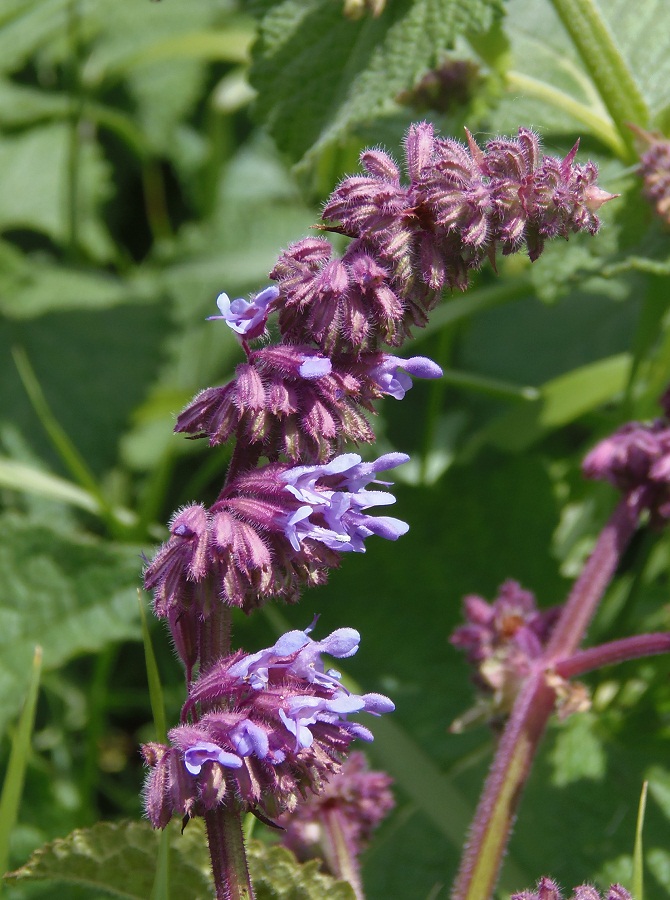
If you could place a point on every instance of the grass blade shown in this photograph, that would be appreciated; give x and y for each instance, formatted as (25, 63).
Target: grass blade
(637, 887)
(10, 799)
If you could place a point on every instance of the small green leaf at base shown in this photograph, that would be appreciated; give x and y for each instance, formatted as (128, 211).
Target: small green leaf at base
(119, 860)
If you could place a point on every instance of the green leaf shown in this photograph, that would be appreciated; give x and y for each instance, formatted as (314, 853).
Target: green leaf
(40, 287)
(276, 875)
(18, 476)
(319, 74)
(638, 853)
(35, 163)
(67, 592)
(26, 26)
(119, 860)
(561, 401)
(578, 753)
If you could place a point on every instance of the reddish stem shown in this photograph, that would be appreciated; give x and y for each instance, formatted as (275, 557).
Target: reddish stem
(613, 652)
(495, 815)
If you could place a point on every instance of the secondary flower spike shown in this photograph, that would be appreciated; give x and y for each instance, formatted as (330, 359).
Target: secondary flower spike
(349, 809)
(636, 458)
(272, 726)
(271, 530)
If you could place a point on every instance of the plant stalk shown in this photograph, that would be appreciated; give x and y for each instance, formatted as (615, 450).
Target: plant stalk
(494, 819)
(605, 64)
(226, 849)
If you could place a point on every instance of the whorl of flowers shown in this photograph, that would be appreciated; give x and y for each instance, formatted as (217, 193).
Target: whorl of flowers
(549, 890)
(273, 727)
(636, 459)
(270, 530)
(290, 400)
(461, 204)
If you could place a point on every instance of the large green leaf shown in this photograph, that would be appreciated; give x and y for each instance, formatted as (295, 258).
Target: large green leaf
(39, 287)
(69, 593)
(320, 74)
(35, 164)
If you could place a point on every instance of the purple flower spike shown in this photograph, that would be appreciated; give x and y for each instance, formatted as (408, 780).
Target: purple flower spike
(391, 380)
(247, 319)
(195, 757)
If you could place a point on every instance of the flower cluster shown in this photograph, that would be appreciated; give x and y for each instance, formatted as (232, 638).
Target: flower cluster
(636, 459)
(501, 640)
(270, 530)
(462, 203)
(655, 171)
(266, 729)
(549, 890)
(290, 399)
(359, 798)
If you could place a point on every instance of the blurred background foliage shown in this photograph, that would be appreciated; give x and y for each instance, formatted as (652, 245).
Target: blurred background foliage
(155, 154)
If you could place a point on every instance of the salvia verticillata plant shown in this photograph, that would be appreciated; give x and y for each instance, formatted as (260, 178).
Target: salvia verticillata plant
(261, 732)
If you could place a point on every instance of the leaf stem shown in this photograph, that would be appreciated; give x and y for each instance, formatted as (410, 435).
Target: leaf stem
(598, 125)
(339, 852)
(606, 66)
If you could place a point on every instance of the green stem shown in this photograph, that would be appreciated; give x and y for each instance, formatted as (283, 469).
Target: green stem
(76, 108)
(606, 66)
(68, 453)
(598, 125)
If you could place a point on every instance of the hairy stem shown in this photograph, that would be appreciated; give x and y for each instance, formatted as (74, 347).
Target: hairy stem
(496, 812)
(226, 849)
(225, 837)
(613, 652)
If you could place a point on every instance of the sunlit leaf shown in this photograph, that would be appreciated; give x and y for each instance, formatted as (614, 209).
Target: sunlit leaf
(337, 73)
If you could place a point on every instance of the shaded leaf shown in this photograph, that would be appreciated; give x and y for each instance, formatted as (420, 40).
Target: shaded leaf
(41, 287)
(69, 593)
(119, 860)
(35, 163)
